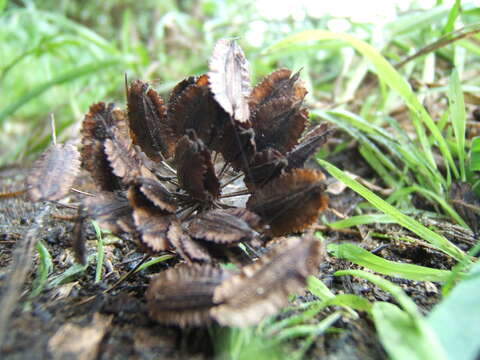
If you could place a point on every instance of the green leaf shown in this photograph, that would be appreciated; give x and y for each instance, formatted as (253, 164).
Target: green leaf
(389, 76)
(457, 113)
(362, 257)
(411, 224)
(361, 220)
(44, 269)
(452, 16)
(60, 79)
(456, 320)
(475, 155)
(100, 253)
(401, 335)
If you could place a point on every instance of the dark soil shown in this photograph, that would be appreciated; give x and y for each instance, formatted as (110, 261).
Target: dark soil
(75, 320)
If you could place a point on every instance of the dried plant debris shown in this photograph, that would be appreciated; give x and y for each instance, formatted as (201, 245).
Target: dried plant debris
(466, 203)
(183, 295)
(193, 295)
(54, 173)
(291, 202)
(166, 173)
(230, 79)
(261, 289)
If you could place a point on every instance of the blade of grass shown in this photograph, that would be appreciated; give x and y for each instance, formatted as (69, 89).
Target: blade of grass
(155, 261)
(362, 257)
(45, 266)
(67, 76)
(361, 220)
(411, 224)
(390, 76)
(458, 118)
(100, 253)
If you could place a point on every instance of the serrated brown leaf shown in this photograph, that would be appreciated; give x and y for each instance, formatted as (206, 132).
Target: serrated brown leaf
(195, 171)
(151, 222)
(178, 89)
(466, 203)
(194, 108)
(279, 124)
(262, 289)
(53, 173)
(223, 227)
(147, 119)
(111, 211)
(183, 295)
(230, 79)
(78, 238)
(237, 144)
(308, 146)
(184, 245)
(278, 84)
(291, 202)
(266, 165)
(123, 157)
(158, 194)
(95, 130)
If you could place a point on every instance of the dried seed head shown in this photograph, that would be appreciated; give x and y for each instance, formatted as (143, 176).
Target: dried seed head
(230, 79)
(53, 173)
(262, 289)
(183, 295)
(291, 202)
(308, 146)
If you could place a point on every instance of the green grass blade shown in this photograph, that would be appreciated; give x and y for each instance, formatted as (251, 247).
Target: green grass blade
(404, 337)
(154, 261)
(388, 75)
(461, 312)
(100, 253)
(411, 224)
(452, 16)
(361, 220)
(458, 116)
(68, 76)
(45, 267)
(362, 257)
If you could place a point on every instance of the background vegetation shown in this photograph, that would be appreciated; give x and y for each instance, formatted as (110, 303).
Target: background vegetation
(404, 93)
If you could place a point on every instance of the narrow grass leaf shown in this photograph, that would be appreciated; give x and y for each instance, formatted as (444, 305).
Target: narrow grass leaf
(362, 257)
(45, 266)
(387, 73)
(452, 16)
(65, 77)
(361, 220)
(155, 261)
(402, 336)
(461, 312)
(411, 224)
(458, 117)
(100, 252)
(474, 164)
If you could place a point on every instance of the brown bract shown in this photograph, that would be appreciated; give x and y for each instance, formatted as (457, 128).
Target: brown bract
(261, 289)
(195, 171)
(183, 295)
(147, 119)
(266, 165)
(230, 79)
(96, 128)
(53, 173)
(223, 226)
(308, 146)
(291, 202)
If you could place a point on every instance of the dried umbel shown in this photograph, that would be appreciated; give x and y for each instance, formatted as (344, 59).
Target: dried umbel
(176, 175)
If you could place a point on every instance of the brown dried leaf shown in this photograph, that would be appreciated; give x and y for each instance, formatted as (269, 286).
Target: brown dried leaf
(53, 173)
(278, 124)
(78, 238)
(195, 171)
(223, 227)
(95, 130)
(262, 289)
(278, 84)
(230, 79)
(266, 165)
(151, 222)
(194, 108)
(291, 202)
(237, 144)
(123, 157)
(178, 89)
(111, 211)
(466, 203)
(185, 246)
(183, 295)
(147, 119)
(308, 146)
(158, 194)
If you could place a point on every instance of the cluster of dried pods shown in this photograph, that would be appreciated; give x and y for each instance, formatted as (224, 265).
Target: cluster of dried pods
(176, 175)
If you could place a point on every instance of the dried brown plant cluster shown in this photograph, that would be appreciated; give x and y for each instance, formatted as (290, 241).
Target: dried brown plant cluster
(176, 175)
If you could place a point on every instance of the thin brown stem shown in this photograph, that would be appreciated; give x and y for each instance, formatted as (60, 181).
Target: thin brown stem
(236, 193)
